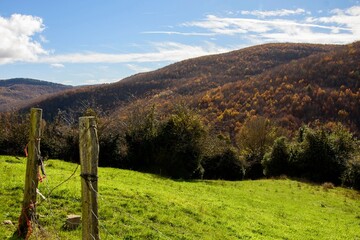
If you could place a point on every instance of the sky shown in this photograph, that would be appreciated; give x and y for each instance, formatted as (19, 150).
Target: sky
(81, 42)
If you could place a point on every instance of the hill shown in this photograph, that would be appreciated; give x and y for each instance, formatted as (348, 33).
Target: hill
(18, 91)
(287, 82)
(143, 206)
(323, 87)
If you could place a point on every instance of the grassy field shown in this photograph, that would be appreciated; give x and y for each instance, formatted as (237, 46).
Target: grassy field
(143, 206)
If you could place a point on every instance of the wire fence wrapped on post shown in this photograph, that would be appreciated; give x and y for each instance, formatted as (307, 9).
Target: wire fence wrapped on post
(28, 212)
(89, 157)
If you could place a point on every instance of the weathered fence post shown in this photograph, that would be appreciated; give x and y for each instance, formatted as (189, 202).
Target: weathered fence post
(28, 212)
(89, 157)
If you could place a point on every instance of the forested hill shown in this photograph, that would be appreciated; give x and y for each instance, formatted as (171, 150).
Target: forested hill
(292, 83)
(17, 91)
(323, 87)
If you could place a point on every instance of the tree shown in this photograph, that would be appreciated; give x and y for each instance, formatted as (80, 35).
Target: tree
(225, 165)
(323, 154)
(254, 139)
(276, 162)
(140, 137)
(14, 132)
(179, 144)
(351, 175)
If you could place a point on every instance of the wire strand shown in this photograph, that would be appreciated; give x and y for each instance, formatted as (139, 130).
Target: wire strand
(48, 195)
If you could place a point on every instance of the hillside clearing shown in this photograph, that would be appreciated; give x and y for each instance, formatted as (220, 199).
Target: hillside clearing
(135, 205)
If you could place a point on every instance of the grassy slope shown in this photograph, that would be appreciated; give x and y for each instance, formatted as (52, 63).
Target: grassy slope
(143, 206)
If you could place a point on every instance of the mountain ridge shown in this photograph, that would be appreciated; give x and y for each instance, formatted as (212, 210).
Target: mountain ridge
(16, 92)
(227, 88)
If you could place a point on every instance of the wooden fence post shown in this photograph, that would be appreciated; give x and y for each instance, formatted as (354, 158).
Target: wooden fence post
(28, 212)
(89, 157)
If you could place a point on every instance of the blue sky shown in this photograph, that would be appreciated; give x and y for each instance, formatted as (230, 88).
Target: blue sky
(92, 41)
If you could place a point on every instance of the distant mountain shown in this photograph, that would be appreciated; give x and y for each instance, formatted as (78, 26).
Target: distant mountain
(16, 92)
(290, 83)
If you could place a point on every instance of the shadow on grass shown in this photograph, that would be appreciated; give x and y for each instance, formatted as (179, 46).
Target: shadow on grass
(15, 236)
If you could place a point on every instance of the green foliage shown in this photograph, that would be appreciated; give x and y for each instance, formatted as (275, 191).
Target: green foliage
(320, 154)
(140, 137)
(254, 139)
(323, 154)
(60, 139)
(134, 205)
(180, 144)
(351, 176)
(225, 165)
(112, 152)
(170, 148)
(276, 162)
(342, 142)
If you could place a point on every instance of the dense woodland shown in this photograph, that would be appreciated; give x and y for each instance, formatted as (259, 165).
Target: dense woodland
(289, 83)
(263, 111)
(180, 146)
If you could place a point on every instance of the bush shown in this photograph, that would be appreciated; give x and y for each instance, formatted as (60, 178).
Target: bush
(254, 139)
(351, 176)
(179, 148)
(142, 130)
(322, 155)
(14, 130)
(60, 140)
(276, 162)
(225, 165)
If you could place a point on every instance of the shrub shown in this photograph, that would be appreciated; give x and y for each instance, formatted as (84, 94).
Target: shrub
(225, 165)
(179, 148)
(140, 137)
(110, 154)
(276, 162)
(60, 140)
(254, 139)
(351, 176)
(14, 132)
(322, 155)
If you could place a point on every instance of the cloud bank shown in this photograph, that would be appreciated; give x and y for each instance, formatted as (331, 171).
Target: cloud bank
(16, 41)
(276, 13)
(22, 36)
(163, 52)
(341, 27)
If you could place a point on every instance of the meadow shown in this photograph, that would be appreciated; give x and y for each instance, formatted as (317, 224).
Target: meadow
(135, 205)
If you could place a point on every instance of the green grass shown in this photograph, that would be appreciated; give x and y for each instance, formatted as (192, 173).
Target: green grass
(134, 205)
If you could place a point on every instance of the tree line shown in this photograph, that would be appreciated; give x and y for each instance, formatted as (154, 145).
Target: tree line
(179, 145)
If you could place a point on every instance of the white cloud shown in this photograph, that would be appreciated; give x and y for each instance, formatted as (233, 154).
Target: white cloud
(16, 43)
(232, 26)
(342, 27)
(57, 65)
(349, 18)
(43, 39)
(276, 13)
(180, 33)
(163, 52)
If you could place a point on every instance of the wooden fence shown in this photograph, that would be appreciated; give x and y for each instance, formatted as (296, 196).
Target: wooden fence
(89, 157)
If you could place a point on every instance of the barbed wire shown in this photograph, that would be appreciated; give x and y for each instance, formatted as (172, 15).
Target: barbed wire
(61, 183)
(91, 187)
(50, 208)
(38, 228)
